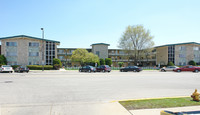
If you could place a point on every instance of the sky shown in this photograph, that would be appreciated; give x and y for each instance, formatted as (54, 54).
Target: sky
(80, 23)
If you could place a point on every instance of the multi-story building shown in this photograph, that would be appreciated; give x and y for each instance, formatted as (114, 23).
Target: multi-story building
(179, 54)
(101, 49)
(27, 50)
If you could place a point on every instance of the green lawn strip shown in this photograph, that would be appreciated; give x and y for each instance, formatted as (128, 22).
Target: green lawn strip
(158, 103)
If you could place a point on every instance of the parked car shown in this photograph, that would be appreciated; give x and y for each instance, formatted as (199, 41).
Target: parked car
(187, 68)
(87, 69)
(168, 68)
(22, 69)
(103, 68)
(6, 68)
(131, 68)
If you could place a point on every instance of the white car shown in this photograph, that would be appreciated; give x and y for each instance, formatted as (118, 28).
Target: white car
(169, 68)
(6, 68)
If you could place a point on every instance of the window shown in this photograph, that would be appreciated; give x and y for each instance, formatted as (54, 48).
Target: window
(195, 48)
(182, 48)
(11, 43)
(33, 53)
(97, 53)
(11, 53)
(33, 44)
(182, 55)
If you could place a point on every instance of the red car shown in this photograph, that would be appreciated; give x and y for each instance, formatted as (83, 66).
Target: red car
(187, 68)
(103, 68)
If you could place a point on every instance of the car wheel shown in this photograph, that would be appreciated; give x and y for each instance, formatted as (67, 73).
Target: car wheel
(196, 70)
(163, 70)
(179, 70)
(108, 71)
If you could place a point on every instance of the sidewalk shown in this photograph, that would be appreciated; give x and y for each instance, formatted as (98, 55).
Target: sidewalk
(64, 109)
(157, 111)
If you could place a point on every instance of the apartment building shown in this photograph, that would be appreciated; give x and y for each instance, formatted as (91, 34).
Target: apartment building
(101, 49)
(28, 50)
(179, 54)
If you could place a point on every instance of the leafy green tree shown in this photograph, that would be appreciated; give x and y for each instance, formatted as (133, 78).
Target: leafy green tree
(57, 63)
(170, 64)
(192, 63)
(102, 61)
(135, 40)
(108, 61)
(3, 60)
(79, 55)
(120, 64)
(84, 57)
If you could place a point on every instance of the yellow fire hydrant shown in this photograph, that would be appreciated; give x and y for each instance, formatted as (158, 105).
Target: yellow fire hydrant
(195, 95)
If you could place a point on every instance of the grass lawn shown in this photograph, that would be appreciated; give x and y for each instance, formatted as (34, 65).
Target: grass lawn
(158, 103)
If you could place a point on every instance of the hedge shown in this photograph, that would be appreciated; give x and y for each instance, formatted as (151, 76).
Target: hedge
(39, 67)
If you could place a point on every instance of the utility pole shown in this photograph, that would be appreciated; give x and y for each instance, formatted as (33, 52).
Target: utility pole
(42, 49)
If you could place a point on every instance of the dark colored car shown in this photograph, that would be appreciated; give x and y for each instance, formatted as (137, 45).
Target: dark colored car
(187, 68)
(22, 69)
(131, 68)
(103, 68)
(87, 69)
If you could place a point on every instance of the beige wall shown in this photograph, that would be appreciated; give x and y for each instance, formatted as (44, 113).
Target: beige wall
(103, 50)
(22, 49)
(162, 55)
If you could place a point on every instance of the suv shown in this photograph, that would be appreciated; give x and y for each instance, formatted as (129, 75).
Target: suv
(103, 68)
(6, 68)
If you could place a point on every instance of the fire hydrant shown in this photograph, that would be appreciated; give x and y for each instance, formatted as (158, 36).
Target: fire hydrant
(195, 95)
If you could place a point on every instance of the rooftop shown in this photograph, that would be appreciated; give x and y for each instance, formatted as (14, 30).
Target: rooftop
(179, 44)
(100, 44)
(21, 36)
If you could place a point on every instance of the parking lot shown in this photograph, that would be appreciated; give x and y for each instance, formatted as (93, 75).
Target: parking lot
(74, 89)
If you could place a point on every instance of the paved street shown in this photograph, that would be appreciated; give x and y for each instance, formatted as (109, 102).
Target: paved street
(69, 92)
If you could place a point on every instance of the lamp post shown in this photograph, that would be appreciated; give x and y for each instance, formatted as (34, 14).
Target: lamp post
(42, 49)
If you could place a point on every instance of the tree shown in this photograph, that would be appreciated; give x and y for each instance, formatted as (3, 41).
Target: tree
(170, 64)
(102, 61)
(56, 63)
(79, 55)
(192, 63)
(84, 57)
(135, 41)
(92, 59)
(3, 60)
(120, 64)
(108, 61)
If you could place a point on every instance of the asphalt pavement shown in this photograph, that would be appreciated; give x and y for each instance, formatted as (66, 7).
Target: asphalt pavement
(72, 93)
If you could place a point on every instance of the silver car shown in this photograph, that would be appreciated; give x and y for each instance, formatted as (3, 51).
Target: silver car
(168, 68)
(6, 68)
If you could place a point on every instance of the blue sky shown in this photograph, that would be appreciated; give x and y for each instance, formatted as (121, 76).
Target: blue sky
(80, 23)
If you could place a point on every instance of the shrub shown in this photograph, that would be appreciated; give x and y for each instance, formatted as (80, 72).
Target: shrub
(120, 64)
(170, 64)
(57, 63)
(39, 67)
(108, 61)
(192, 63)
(102, 61)
(15, 66)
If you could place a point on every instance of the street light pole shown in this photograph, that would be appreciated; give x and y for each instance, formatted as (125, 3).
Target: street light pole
(42, 49)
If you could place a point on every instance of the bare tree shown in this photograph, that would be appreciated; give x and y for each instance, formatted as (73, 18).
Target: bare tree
(136, 40)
